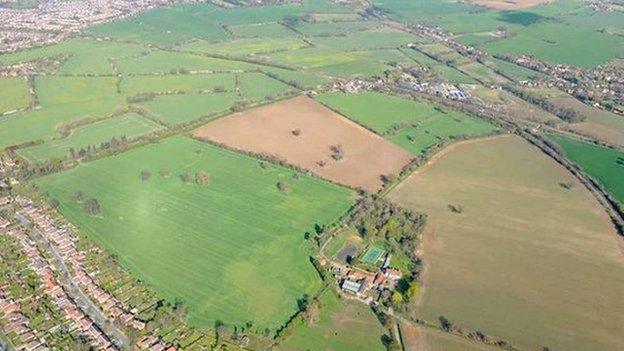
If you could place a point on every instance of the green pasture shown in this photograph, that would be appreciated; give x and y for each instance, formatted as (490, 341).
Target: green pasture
(560, 43)
(130, 125)
(183, 108)
(259, 87)
(482, 73)
(335, 28)
(415, 126)
(82, 56)
(232, 249)
(299, 78)
(366, 40)
(604, 164)
(513, 71)
(262, 30)
(15, 94)
(63, 100)
(159, 62)
(245, 46)
(443, 71)
(343, 326)
(132, 85)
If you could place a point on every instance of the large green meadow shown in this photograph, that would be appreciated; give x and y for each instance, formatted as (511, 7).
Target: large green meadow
(415, 126)
(604, 164)
(15, 94)
(232, 248)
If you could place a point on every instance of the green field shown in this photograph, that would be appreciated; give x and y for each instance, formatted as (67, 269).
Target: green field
(517, 220)
(373, 254)
(262, 30)
(130, 125)
(232, 250)
(604, 164)
(343, 326)
(246, 46)
(133, 85)
(415, 126)
(258, 87)
(165, 61)
(176, 109)
(15, 94)
(63, 100)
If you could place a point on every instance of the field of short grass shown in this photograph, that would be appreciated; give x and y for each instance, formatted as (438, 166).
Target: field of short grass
(259, 87)
(246, 46)
(176, 109)
(516, 219)
(165, 61)
(604, 164)
(232, 249)
(130, 125)
(14, 94)
(413, 125)
(343, 326)
(63, 100)
(262, 30)
(133, 85)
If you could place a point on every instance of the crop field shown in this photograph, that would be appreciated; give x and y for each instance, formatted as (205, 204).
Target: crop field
(205, 243)
(415, 126)
(130, 125)
(604, 164)
(15, 94)
(516, 219)
(133, 85)
(176, 109)
(427, 339)
(342, 326)
(305, 133)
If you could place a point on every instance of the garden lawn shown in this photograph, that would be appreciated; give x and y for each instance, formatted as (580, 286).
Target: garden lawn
(604, 164)
(130, 125)
(232, 249)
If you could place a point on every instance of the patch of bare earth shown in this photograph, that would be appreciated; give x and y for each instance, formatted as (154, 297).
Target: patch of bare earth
(510, 4)
(307, 134)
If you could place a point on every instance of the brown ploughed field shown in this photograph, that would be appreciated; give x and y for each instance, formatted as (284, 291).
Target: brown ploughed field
(305, 133)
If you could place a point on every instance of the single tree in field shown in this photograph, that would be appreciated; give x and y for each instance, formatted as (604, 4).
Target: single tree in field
(283, 186)
(77, 195)
(337, 153)
(164, 172)
(92, 207)
(145, 175)
(202, 178)
(185, 177)
(296, 132)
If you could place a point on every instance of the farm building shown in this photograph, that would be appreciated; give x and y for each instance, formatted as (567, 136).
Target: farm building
(351, 286)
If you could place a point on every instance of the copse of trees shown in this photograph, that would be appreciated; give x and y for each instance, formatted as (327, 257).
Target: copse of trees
(92, 207)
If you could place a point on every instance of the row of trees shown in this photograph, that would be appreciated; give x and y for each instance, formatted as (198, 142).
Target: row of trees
(566, 114)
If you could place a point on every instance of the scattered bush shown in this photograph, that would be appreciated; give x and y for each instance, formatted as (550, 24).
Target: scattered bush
(92, 207)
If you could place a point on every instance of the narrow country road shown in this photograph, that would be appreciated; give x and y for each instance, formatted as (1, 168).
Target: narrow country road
(119, 338)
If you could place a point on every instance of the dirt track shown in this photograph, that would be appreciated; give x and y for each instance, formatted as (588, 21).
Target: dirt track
(269, 130)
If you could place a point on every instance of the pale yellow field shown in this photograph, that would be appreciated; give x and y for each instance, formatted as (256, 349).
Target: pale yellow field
(527, 260)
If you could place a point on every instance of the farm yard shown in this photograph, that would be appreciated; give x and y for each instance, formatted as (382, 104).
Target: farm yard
(220, 247)
(304, 133)
(511, 218)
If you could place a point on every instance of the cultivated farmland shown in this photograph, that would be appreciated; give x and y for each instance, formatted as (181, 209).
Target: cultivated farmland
(232, 248)
(501, 263)
(306, 134)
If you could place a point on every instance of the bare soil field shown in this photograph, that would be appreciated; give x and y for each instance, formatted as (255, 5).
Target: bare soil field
(417, 338)
(307, 134)
(510, 4)
(525, 259)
